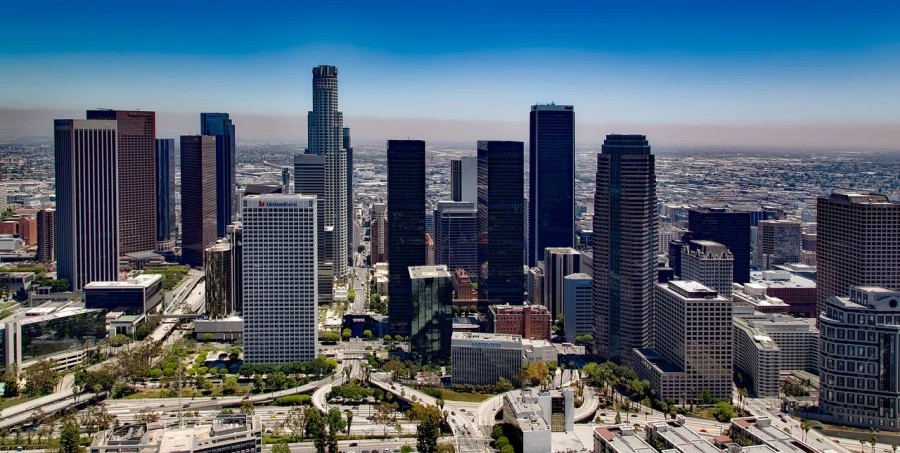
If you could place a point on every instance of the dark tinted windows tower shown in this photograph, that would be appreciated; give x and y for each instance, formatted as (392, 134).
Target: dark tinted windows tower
(731, 229)
(198, 196)
(165, 194)
(220, 126)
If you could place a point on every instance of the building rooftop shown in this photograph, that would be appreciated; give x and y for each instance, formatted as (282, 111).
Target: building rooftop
(526, 409)
(859, 198)
(762, 429)
(138, 281)
(439, 271)
(659, 361)
(690, 289)
(681, 438)
(780, 279)
(622, 439)
(578, 276)
(479, 336)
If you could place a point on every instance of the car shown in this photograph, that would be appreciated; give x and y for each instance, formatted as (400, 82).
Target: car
(354, 444)
(603, 414)
(186, 406)
(162, 405)
(365, 451)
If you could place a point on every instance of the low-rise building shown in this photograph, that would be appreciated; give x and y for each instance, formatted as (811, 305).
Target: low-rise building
(619, 439)
(754, 295)
(676, 437)
(221, 329)
(17, 282)
(232, 433)
(795, 290)
(528, 321)
(462, 287)
(139, 295)
(481, 358)
(759, 430)
(539, 413)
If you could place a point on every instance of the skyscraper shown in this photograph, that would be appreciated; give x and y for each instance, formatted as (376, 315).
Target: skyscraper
(456, 236)
(729, 228)
(87, 201)
(578, 306)
(351, 224)
(432, 315)
(46, 235)
(559, 262)
(455, 180)
(136, 150)
(221, 126)
(165, 195)
(778, 242)
(406, 226)
(219, 281)
(326, 136)
(279, 257)
(625, 225)
(858, 244)
(551, 191)
(198, 196)
(501, 168)
(708, 263)
(378, 233)
(309, 179)
(236, 238)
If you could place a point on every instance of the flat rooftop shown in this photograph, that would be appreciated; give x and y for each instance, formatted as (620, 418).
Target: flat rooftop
(479, 336)
(623, 439)
(138, 281)
(781, 279)
(683, 439)
(761, 427)
(439, 271)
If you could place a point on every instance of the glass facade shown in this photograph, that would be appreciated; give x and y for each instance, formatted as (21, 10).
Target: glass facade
(551, 173)
(406, 226)
(198, 197)
(136, 300)
(70, 333)
(220, 125)
(731, 229)
(165, 190)
(432, 316)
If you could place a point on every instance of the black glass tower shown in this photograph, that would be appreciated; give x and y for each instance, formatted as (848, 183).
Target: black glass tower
(165, 194)
(406, 227)
(501, 179)
(625, 225)
(731, 229)
(551, 175)
(220, 125)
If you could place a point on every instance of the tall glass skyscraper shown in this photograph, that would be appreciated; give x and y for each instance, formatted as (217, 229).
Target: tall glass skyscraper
(501, 180)
(198, 196)
(625, 229)
(729, 228)
(432, 316)
(351, 244)
(456, 236)
(309, 179)
(165, 195)
(220, 125)
(406, 227)
(551, 174)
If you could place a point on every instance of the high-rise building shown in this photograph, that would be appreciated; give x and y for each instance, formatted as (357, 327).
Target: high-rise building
(406, 226)
(28, 230)
(729, 228)
(501, 170)
(326, 137)
(279, 266)
(236, 239)
(221, 126)
(429, 250)
(551, 192)
(778, 242)
(165, 195)
(691, 359)
(286, 181)
(456, 235)
(709, 263)
(578, 305)
(535, 285)
(432, 314)
(625, 227)
(198, 197)
(87, 201)
(219, 281)
(136, 150)
(309, 179)
(351, 223)
(464, 179)
(559, 262)
(859, 352)
(379, 233)
(858, 244)
(46, 235)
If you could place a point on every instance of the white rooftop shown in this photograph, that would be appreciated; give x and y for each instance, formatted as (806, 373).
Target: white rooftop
(142, 281)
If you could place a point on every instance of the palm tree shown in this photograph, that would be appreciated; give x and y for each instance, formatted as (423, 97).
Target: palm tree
(862, 445)
(805, 425)
(874, 439)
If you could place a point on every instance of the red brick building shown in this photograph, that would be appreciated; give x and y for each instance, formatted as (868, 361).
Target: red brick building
(529, 321)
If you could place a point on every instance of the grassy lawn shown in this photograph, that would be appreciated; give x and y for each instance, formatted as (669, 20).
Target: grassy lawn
(450, 395)
(10, 402)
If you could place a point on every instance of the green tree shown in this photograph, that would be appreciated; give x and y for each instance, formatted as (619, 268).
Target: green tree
(70, 438)
(360, 248)
(428, 426)
(346, 334)
(230, 386)
(331, 337)
(41, 378)
(349, 420)
(315, 428)
(722, 411)
(336, 424)
(246, 407)
(351, 295)
(281, 447)
(618, 418)
(406, 449)
(387, 338)
(207, 337)
(706, 398)
(367, 334)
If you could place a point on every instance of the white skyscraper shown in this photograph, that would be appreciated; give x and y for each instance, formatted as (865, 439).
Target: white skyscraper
(279, 277)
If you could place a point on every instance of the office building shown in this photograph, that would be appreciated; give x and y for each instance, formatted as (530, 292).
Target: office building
(778, 242)
(429, 250)
(87, 201)
(58, 331)
(220, 126)
(219, 281)
(464, 179)
(578, 305)
(559, 262)
(858, 244)
(551, 173)
(378, 234)
(198, 197)
(28, 230)
(798, 292)
(729, 228)
(462, 286)
(860, 349)
(138, 295)
(46, 235)
(228, 433)
(309, 179)
(625, 225)
(166, 230)
(767, 344)
(406, 226)
(352, 242)
(136, 150)
(531, 322)
(762, 433)
(456, 235)
(535, 285)
(482, 358)
(326, 137)
(694, 353)
(675, 437)
(537, 414)
(709, 263)
(235, 235)
(279, 267)
(500, 222)
(286, 181)
(619, 439)
(754, 295)
(432, 314)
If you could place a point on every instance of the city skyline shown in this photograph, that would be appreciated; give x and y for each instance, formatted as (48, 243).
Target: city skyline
(681, 72)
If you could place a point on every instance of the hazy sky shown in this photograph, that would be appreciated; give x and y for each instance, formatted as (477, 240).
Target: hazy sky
(805, 72)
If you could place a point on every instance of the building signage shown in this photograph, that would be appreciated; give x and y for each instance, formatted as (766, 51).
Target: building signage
(277, 204)
(486, 344)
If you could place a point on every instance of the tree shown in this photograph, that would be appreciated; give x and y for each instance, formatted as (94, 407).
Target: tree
(70, 438)
(722, 411)
(351, 295)
(335, 424)
(536, 372)
(147, 415)
(207, 337)
(862, 445)
(618, 418)
(331, 337)
(315, 428)
(874, 439)
(346, 334)
(296, 421)
(246, 407)
(230, 386)
(706, 398)
(360, 248)
(428, 426)
(406, 449)
(445, 448)
(349, 420)
(281, 447)
(385, 415)
(367, 334)
(96, 418)
(41, 378)
(387, 338)
(473, 308)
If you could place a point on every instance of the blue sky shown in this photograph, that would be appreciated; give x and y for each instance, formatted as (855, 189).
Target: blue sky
(643, 62)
